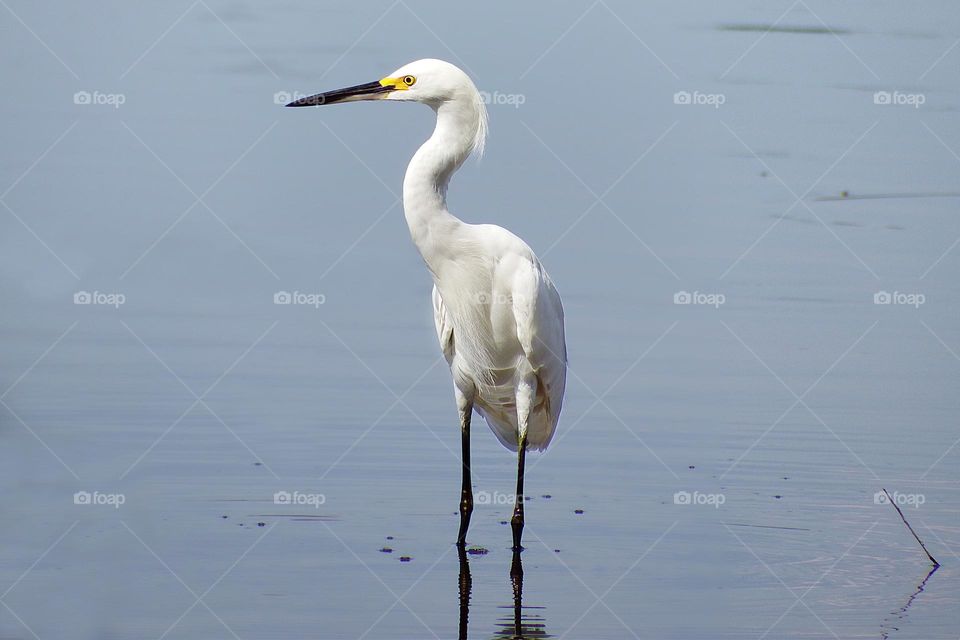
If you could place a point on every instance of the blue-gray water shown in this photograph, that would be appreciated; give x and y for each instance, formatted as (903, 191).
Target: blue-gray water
(783, 410)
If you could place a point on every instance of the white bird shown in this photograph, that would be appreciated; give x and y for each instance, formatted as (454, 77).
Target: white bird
(498, 316)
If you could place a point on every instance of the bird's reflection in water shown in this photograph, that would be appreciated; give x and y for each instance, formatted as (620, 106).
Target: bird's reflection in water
(522, 623)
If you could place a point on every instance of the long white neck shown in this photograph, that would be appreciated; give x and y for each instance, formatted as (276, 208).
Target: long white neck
(432, 227)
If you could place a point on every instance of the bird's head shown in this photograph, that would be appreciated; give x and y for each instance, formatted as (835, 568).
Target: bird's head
(433, 82)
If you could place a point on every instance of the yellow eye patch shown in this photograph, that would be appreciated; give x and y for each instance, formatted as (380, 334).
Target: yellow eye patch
(399, 84)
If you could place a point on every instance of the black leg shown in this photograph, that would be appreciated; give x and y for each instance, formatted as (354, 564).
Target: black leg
(516, 523)
(466, 491)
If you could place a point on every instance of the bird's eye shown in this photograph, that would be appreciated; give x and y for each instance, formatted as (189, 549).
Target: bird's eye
(409, 80)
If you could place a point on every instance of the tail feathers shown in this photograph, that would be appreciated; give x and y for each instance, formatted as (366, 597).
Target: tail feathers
(503, 423)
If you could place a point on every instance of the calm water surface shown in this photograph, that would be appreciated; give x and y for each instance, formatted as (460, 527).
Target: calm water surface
(715, 470)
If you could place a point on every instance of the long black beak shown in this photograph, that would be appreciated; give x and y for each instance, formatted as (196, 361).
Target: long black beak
(349, 94)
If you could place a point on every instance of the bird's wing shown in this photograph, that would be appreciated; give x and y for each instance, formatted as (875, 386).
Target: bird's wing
(442, 323)
(539, 315)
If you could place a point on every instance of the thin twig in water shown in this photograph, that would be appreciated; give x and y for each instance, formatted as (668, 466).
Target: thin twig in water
(922, 546)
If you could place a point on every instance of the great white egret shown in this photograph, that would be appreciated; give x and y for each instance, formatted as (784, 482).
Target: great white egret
(498, 316)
